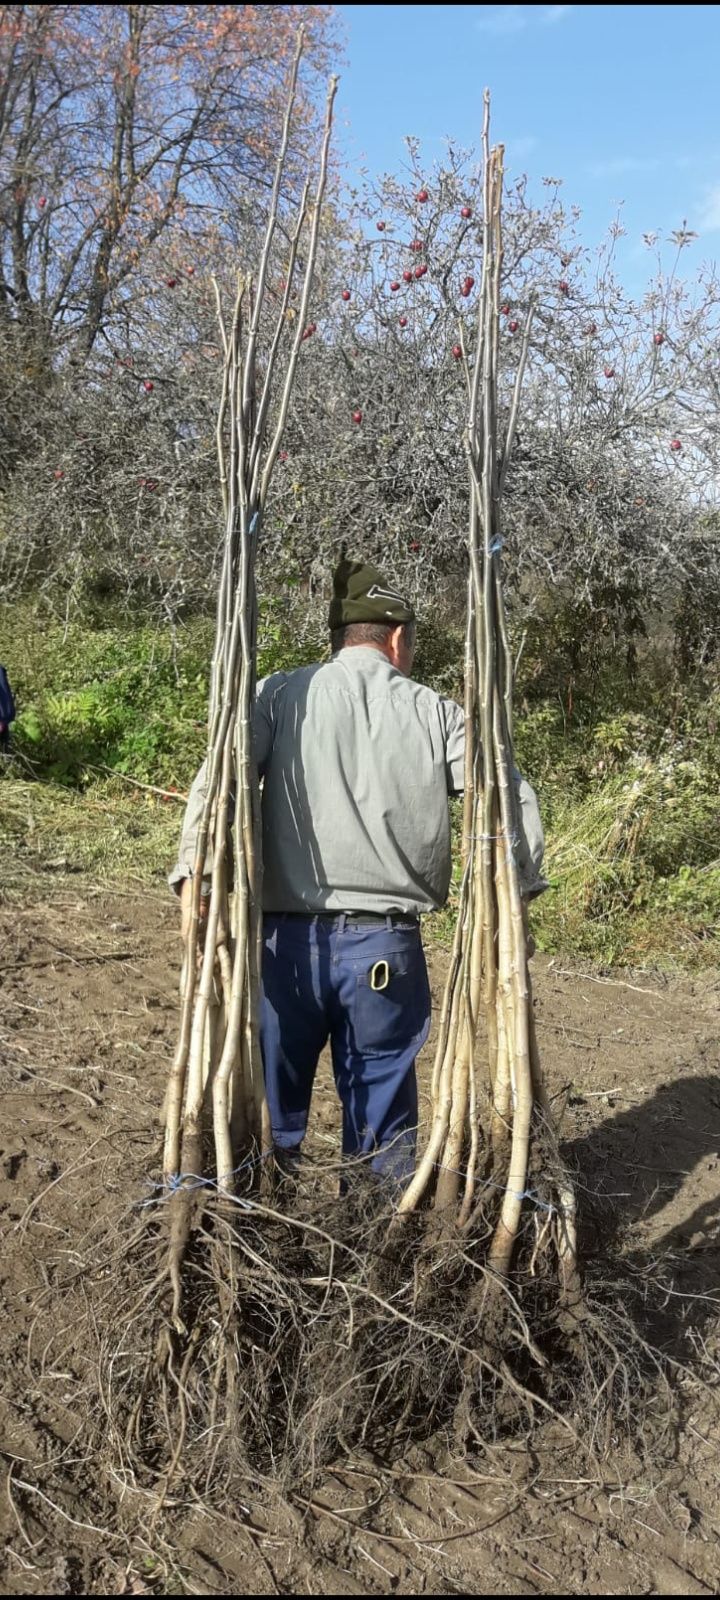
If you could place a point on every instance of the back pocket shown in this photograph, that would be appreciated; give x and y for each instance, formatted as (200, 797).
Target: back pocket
(388, 1020)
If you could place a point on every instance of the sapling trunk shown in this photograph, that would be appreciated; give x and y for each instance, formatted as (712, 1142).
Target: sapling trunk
(216, 1116)
(488, 979)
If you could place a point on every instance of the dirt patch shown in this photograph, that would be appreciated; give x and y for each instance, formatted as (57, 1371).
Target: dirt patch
(87, 1028)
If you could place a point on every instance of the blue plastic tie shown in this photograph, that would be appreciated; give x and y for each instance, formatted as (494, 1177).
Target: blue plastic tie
(192, 1180)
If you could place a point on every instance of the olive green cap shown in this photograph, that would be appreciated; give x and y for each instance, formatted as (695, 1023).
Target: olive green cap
(362, 594)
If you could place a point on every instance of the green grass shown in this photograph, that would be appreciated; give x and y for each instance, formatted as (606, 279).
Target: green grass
(634, 867)
(129, 697)
(628, 778)
(107, 833)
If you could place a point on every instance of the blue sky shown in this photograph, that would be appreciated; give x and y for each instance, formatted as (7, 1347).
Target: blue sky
(619, 101)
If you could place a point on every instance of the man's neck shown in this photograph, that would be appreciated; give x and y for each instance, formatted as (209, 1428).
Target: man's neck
(366, 644)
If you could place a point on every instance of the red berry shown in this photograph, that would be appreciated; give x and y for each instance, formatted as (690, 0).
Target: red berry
(465, 290)
(148, 386)
(609, 372)
(457, 351)
(564, 286)
(310, 330)
(58, 473)
(171, 282)
(414, 546)
(420, 271)
(422, 195)
(470, 282)
(675, 444)
(357, 416)
(283, 455)
(659, 338)
(465, 212)
(513, 326)
(505, 310)
(190, 270)
(42, 201)
(407, 275)
(346, 294)
(416, 245)
(394, 286)
(402, 321)
(381, 226)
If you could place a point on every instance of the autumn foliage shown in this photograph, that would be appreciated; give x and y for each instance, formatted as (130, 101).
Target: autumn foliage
(133, 142)
(136, 145)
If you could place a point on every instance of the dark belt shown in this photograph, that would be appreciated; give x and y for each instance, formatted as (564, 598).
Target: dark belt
(352, 919)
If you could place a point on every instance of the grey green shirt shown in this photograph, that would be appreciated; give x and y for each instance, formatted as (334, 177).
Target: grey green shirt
(357, 762)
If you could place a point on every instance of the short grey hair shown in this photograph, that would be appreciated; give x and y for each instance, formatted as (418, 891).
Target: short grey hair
(370, 633)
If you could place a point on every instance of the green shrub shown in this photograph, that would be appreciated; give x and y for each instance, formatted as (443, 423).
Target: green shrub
(628, 775)
(634, 865)
(130, 698)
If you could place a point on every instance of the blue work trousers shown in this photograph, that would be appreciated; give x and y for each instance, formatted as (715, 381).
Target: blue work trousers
(323, 979)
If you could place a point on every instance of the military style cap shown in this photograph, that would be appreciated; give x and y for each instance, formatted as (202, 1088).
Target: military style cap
(362, 594)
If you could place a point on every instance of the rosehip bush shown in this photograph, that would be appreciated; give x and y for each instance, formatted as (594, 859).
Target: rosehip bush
(109, 487)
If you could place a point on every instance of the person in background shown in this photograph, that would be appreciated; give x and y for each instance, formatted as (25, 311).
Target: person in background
(7, 712)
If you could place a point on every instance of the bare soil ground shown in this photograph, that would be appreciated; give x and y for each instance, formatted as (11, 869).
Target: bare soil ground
(89, 983)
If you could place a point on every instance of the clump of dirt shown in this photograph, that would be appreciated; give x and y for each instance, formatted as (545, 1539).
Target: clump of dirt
(86, 1034)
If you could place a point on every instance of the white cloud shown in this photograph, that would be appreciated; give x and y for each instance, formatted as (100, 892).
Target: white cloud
(710, 211)
(619, 166)
(503, 19)
(520, 148)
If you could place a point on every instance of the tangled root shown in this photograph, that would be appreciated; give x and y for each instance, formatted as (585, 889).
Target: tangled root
(314, 1327)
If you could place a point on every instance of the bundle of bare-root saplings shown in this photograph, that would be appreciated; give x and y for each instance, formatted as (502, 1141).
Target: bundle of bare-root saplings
(249, 1330)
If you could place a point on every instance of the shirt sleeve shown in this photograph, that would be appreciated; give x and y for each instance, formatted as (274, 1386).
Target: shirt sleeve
(531, 840)
(454, 726)
(530, 845)
(185, 862)
(263, 728)
(264, 719)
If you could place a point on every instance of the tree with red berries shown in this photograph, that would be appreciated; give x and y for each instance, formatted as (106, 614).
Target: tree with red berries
(598, 485)
(601, 512)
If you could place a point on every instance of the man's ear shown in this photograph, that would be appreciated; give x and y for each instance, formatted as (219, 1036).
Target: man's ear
(395, 641)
